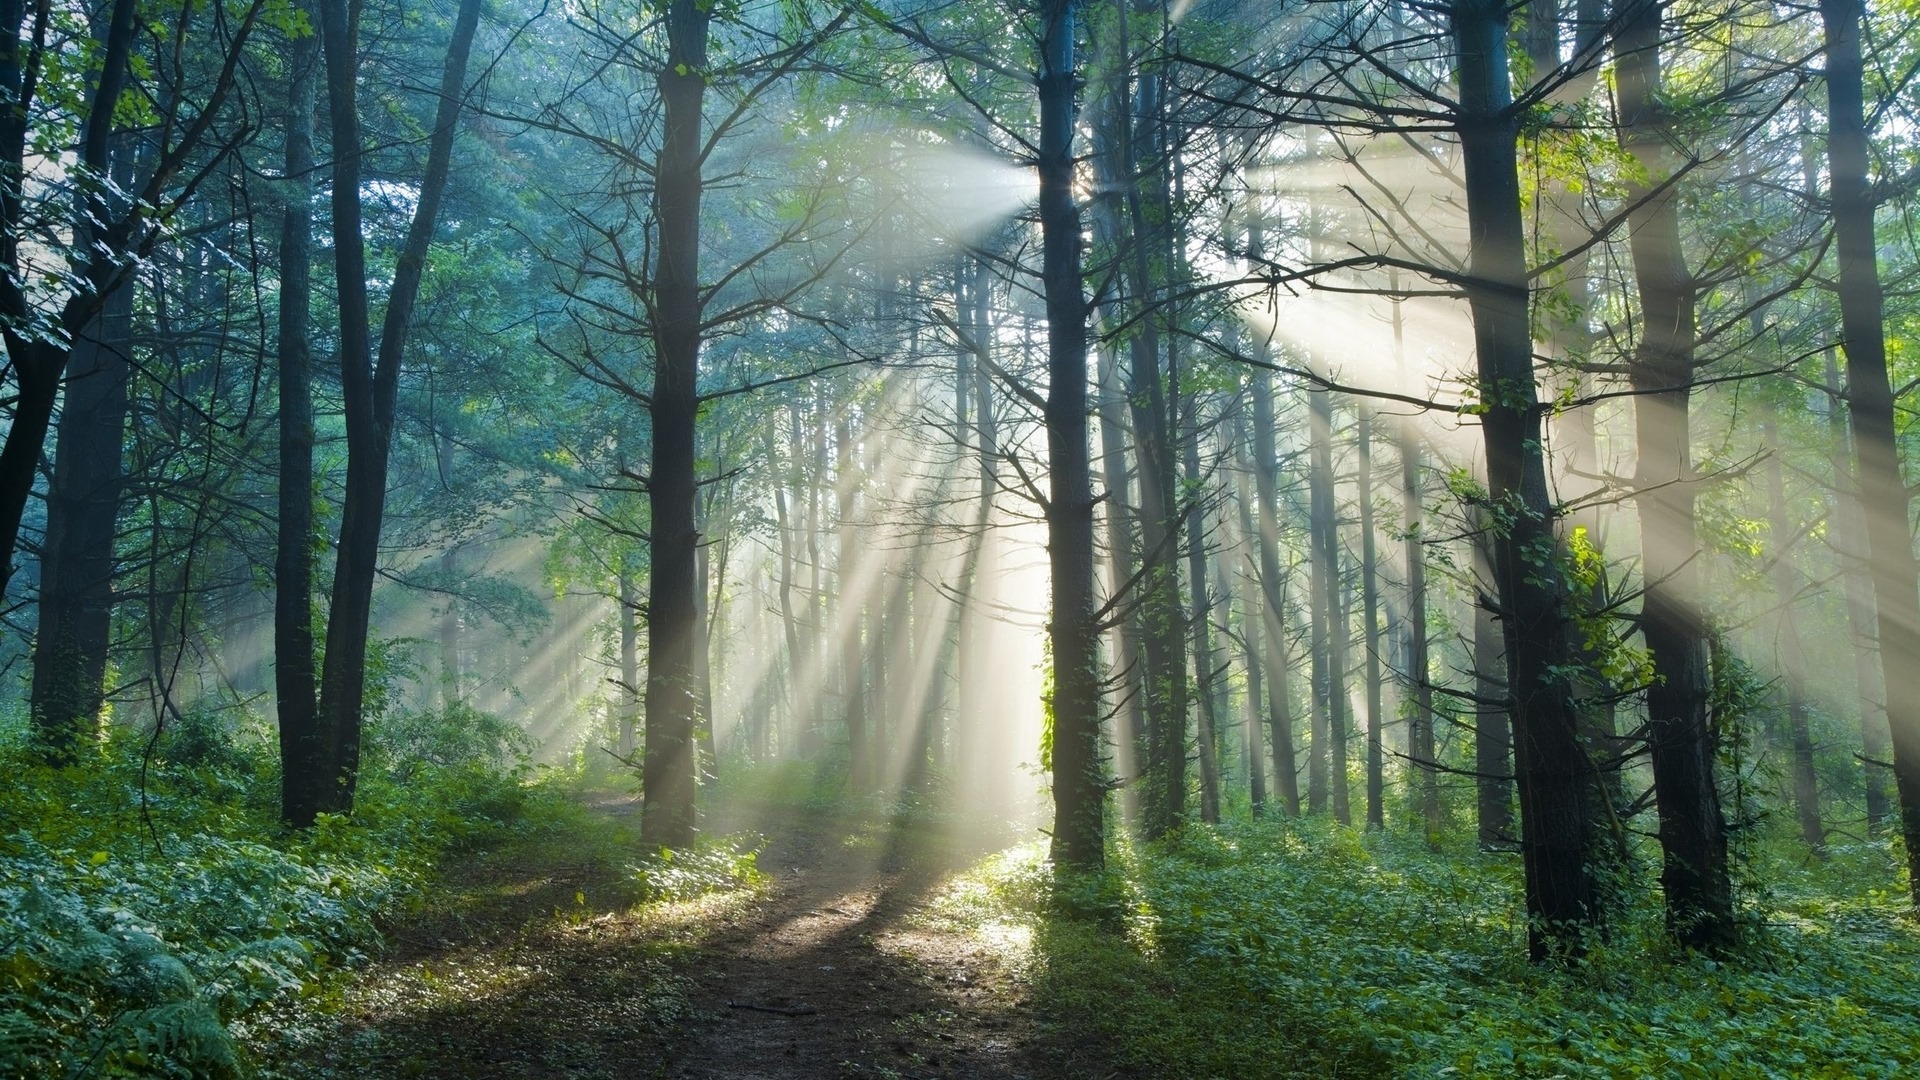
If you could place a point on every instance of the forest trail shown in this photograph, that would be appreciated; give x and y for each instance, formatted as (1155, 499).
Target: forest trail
(541, 967)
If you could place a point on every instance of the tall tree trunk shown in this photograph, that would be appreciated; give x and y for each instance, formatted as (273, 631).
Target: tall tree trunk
(1896, 576)
(1420, 744)
(1130, 741)
(1849, 542)
(77, 561)
(789, 617)
(1205, 663)
(1693, 840)
(1321, 589)
(1492, 727)
(1786, 587)
(629, 697)
(673, 620)
(852, 670)
(1253, 638)
(1266, 468)
(1370, 614)
(1079, 788)
(449, 632)
(1556, 778)
(1161, 625)
(369, 385)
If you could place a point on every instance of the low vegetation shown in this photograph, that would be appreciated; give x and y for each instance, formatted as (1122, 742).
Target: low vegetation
(151, 901)
(1272, 949)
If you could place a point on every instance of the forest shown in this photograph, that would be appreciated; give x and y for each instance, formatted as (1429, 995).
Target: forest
(936, 538)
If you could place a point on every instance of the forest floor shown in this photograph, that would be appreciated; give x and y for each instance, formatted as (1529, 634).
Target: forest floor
(536, 960)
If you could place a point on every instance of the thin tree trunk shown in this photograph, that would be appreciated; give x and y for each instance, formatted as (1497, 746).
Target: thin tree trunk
(852, 670)
(629, 663)
(1130, 742)
(1205, 663)
(1253, 639)
(1162, 632)
(1370, 614)
(1420, 745)
(1266, 467)
(368, 384)
(1786, 587)
(1320, 591)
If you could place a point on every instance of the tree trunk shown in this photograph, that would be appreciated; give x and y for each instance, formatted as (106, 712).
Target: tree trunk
(294, 668)
(1131, 740)
(77, 561)
(1492, 728)
(1556, 779)
(368, 385)
(1079, 786)
(1266, 468)
(1422, 768)
(673, 621)
(1693, 840)
(1200, 616)
(1849, 543)
(1253, 639)
(629, 697)
(850, 617)
(1793, 659)
(1896, 576)
(1370, 614)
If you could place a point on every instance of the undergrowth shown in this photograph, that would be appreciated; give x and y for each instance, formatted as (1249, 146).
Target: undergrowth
(149, 905)
(1304, 949)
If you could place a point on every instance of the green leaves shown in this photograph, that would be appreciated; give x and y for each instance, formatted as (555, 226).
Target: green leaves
(129, 952)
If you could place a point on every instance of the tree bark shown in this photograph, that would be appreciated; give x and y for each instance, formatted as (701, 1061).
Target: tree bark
(1370, 614)
(1200, 616)
(1079, 786)
(294, 667)
(1849, 543)
(1693, 840)
(1896, 576)
(1492, 718)
(77, 563)
(1556, 778)
(673, 622)
(369, 384)
(1266, 468)
(1793, 659)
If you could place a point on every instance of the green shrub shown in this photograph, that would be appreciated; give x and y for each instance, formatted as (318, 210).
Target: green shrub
(1303, 948)
(149, 906)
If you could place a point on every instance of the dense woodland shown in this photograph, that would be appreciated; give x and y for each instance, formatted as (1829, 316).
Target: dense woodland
(1404, 499)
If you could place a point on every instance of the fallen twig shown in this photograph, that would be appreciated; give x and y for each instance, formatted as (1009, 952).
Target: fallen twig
(778, 1010)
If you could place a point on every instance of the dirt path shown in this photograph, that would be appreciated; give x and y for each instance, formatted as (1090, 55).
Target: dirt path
(541, 966)
(833, 977)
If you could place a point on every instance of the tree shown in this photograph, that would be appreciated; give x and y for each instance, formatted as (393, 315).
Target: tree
(369, 386)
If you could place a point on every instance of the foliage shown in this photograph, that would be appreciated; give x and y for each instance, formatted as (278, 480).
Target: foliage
(713, 866)
(1290, 948)
(146, 907)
